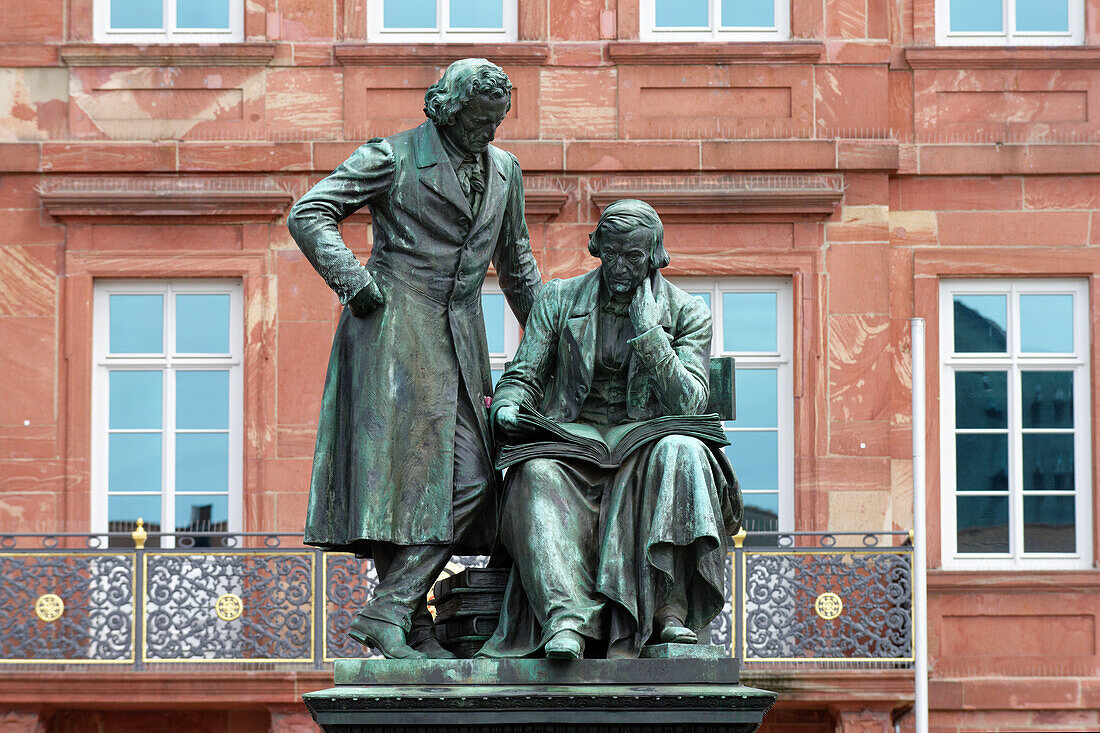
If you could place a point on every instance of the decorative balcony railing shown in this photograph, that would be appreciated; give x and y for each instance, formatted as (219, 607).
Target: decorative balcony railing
(257, 599)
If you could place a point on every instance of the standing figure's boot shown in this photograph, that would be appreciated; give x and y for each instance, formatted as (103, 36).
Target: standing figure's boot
(385, 637)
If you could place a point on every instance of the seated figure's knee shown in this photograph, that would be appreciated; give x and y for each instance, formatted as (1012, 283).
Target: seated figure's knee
(538, 470)
(672, 446)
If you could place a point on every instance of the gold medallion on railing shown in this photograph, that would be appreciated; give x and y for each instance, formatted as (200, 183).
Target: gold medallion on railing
(229, 607)
(828, 605)
(49, 607)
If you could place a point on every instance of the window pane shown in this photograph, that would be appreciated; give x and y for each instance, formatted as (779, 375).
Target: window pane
(135, 400)
(705, 297)
(137, 324)
(981, 399)
(492, 305)
(975, 16)
(748, 13)
(980, 323)
(981, 462)
(202, 324)
(124, 511)
(202, 462)
(202, 513)
(202, 400)
(133, 462)
(209, 14)
(761, 512)
(1046, 324)
(1048, 462)
(682, 14)
(1047, 399)
(408, 14)
(982, 523)
(749, 321)
(757, 398)
(1042, 16)
(1049, 524)
(755, 458)
(136, 14)
(477, 14)
(496, 375)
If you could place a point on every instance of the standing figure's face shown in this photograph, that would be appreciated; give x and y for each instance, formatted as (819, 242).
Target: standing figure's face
(476, 123)
(625, 259)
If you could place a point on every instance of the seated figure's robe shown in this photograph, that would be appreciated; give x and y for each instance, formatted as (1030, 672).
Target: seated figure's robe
(601, 551)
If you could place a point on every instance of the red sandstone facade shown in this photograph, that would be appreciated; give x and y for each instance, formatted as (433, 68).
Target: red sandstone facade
(935, 162)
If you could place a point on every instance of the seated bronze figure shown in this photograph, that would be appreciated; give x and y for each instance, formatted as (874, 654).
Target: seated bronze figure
(614, 553)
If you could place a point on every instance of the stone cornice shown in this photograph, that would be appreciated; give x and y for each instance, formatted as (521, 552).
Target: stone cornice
(732, 197)
(1031, 582)
(164, 199)
(539, 205)
(1008, 57)
(641, 52)
(169, 54)
(380, 54)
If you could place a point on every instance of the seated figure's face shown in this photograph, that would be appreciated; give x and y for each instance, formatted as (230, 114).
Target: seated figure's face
(625, 259)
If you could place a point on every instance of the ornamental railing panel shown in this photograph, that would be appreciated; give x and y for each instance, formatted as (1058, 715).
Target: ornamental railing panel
(263, 599)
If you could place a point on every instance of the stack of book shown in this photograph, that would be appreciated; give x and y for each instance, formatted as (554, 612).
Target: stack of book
(467, 606)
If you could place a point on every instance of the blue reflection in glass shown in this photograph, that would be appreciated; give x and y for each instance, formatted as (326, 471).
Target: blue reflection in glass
(1050, 524)
(1047, 399)
(1042, 16)
(202, 512)
(682, 13)
(981, 400)
(1046, 324)
(129, 508)
(705, 297)
(136, 401)
(982, 523)
(133, 462)
(137, 324)
(755, 458)
(981, 322)
(477, 14)
(408, 14)
(976, 16)
(492, 305)
(757, 398)
(748, 13)
(749, 322)
(1048, 462)
(202, 462)
(202, 324)
(202, 400)
(131, 14)
(761, 511)
(210, 14)
(981, 462)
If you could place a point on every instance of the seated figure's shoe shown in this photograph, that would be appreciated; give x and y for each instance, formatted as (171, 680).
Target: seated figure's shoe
(385, 637)
(566, 644)
(431, 647)
(673, 631)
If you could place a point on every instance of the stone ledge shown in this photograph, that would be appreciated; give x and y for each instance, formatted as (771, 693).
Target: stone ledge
(168, 54)
(641, 52)
(1030, 582)
(1009, 57)
(379, 54)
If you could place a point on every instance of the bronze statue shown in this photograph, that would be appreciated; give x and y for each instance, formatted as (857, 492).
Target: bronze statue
(402, 469)
(613, 551)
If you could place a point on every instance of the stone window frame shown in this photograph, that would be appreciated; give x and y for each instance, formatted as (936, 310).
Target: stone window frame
(648, 32)
(1074, 36)
(1079, 363)
(377, 33)
(103, 363)
(102, 33)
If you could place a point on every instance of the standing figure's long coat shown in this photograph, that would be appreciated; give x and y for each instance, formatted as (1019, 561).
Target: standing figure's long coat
(384, 458)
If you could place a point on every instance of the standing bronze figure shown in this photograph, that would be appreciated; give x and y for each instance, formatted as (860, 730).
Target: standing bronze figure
(613, 551)
(402, 469)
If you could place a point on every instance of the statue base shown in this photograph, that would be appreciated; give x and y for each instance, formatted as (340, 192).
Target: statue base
(676, 688)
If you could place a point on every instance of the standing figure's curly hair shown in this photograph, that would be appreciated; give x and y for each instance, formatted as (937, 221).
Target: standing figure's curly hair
(462, 81)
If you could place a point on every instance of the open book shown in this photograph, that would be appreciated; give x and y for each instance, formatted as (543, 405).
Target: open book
(605, 448)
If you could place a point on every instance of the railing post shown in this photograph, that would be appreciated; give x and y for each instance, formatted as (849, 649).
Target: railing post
(737, 604)
(320, 597)
(139, 535)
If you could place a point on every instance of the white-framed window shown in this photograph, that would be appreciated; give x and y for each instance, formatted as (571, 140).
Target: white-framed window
(1010, 22)
(502, 330)
(717, 20)
(753, 322)
(168, 21)
(445, 21)
(1015, 415)
(167, 404)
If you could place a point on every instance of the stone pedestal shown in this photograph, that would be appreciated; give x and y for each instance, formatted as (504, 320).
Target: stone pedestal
(671, 693)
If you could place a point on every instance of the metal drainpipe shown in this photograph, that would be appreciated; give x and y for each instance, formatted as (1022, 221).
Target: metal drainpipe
(920, 563)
